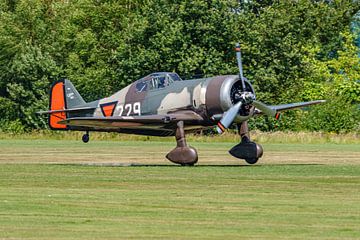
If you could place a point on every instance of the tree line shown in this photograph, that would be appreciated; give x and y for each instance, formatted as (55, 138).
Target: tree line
(292, 51)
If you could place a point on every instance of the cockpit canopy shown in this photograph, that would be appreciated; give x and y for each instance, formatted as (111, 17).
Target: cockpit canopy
(156, 81)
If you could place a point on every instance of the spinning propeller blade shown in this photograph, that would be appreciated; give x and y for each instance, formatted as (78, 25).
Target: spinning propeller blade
(238, 58)
(264, 108)
(228, 117)
(247, 98)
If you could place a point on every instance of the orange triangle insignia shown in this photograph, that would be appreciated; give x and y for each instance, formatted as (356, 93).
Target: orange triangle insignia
(107, 109)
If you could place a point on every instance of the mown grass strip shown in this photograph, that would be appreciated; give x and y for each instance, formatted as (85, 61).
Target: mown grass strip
(229, 136)
(205, 202)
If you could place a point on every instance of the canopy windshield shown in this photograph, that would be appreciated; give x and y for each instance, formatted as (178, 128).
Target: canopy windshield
(156, 81)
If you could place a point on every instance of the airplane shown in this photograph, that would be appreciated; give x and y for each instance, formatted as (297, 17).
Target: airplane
(162, 104)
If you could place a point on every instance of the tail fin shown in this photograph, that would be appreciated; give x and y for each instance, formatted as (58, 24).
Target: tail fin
(73, 97)
(63, 95)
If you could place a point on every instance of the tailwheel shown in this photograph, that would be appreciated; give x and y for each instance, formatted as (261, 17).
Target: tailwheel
(86, 137)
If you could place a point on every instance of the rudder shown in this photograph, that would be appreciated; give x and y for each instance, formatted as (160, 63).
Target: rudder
(63, 95)
(57, 102)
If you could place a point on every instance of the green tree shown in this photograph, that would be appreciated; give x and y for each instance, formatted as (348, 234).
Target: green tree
(292, 51)
(339, 84)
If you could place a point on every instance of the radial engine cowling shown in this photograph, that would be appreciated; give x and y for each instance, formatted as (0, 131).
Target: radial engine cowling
(223, 92)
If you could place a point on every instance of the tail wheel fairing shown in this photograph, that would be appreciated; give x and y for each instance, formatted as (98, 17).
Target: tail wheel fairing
(57, 102)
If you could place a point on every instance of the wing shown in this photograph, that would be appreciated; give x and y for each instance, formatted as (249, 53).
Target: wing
(273, 111)
(284, 107)
(131, 122)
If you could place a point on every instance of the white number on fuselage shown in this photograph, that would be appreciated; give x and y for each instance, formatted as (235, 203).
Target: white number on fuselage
(128, 107)
(137, 108)
(134, 109)
(121, 109)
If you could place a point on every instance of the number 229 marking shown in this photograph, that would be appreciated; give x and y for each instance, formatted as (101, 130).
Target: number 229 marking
(127, 109)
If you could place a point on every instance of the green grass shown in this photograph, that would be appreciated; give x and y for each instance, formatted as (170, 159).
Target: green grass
(228, 136)
(298, 191)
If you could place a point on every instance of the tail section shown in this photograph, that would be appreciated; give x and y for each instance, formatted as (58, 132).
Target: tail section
(72, 96)
(63, 96)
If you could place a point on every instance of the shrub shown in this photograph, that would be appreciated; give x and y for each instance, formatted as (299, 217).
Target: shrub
(337, 115)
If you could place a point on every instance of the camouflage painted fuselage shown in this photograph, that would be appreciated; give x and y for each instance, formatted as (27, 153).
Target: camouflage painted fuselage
(151, 106)
(180, 95)
(204, 97)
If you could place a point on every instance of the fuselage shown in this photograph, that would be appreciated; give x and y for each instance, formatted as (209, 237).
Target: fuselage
(163, 94)
(207, 97)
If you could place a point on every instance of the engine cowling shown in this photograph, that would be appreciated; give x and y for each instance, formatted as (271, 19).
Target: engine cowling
(223, 92)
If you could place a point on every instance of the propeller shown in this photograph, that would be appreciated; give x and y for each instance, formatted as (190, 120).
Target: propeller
(238, 58)
(244, 98)
(264, 108)
(228, 117)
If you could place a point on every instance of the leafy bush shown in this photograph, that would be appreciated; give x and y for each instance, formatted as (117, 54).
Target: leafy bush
(336, 115)
(15, 126)
(8, 109)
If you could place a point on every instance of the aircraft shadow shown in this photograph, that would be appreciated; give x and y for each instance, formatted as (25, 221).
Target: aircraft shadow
(173, 165)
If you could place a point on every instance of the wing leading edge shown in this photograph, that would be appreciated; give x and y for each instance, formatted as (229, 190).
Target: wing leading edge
(284, 107)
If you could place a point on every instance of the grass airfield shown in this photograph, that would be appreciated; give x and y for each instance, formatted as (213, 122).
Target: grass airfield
(56, 189)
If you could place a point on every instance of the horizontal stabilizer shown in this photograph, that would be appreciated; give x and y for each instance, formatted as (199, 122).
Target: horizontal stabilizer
(66, 110)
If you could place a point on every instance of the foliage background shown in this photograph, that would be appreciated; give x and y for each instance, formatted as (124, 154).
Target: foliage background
(293, 51)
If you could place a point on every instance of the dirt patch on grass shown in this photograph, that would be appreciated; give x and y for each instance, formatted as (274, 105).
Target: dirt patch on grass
(142, 153)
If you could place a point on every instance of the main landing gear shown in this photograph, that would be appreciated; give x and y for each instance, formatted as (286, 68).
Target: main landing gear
(86, 137)
(246, 149)
(182, 153)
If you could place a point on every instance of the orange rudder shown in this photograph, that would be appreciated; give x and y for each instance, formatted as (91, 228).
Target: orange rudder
(57, 102)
